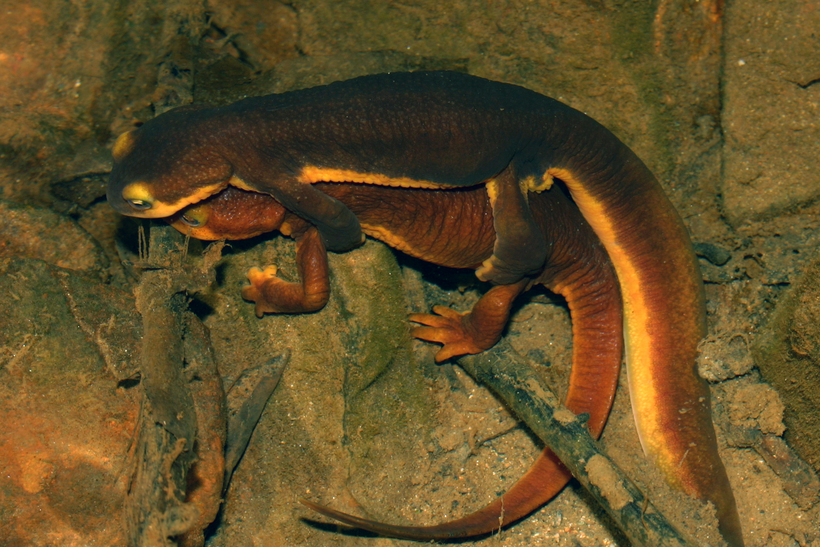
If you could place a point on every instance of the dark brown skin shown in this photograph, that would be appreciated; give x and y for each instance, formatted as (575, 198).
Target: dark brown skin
(449, 131)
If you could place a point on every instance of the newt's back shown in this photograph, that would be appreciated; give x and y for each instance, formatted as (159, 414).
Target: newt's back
(443, 127)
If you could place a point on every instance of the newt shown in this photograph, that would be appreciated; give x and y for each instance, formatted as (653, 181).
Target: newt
(471, 173)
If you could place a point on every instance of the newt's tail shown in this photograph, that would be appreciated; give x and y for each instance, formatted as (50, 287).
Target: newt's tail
(591, 290)
(664, 310)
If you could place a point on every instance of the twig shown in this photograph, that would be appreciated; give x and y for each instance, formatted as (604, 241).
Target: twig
(566, 435)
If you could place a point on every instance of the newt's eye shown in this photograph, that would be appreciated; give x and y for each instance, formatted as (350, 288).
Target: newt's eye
(191, 221)
(139, 204)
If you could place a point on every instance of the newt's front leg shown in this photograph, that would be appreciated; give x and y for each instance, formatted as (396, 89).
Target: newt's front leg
(339, 228)
(275, 295)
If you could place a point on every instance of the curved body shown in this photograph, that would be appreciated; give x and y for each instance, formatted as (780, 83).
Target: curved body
(498, 149)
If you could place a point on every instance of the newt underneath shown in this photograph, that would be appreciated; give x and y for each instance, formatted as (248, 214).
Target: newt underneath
(468, 173)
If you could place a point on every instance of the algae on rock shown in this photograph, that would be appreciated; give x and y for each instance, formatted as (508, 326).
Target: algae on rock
(788, 356)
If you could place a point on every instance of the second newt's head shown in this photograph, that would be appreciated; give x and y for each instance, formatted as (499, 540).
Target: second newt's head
(230, 214)
(168, 163)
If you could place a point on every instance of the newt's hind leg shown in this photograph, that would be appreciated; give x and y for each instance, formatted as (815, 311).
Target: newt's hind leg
(275, 295)
(471, 332)
(520, 248)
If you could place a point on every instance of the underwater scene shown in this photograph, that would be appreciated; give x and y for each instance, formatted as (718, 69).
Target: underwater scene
(374, 273)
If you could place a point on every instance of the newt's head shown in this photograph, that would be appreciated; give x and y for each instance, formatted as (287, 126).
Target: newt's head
(230, 214)
(166, 164)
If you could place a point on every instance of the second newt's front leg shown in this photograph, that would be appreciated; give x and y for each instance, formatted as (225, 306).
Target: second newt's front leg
(275, 295)
(472, 332)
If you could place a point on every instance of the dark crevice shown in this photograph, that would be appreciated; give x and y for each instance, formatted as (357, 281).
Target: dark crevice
(805, 85)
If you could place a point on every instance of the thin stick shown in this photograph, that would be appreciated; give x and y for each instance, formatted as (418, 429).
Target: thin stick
(566, 434)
